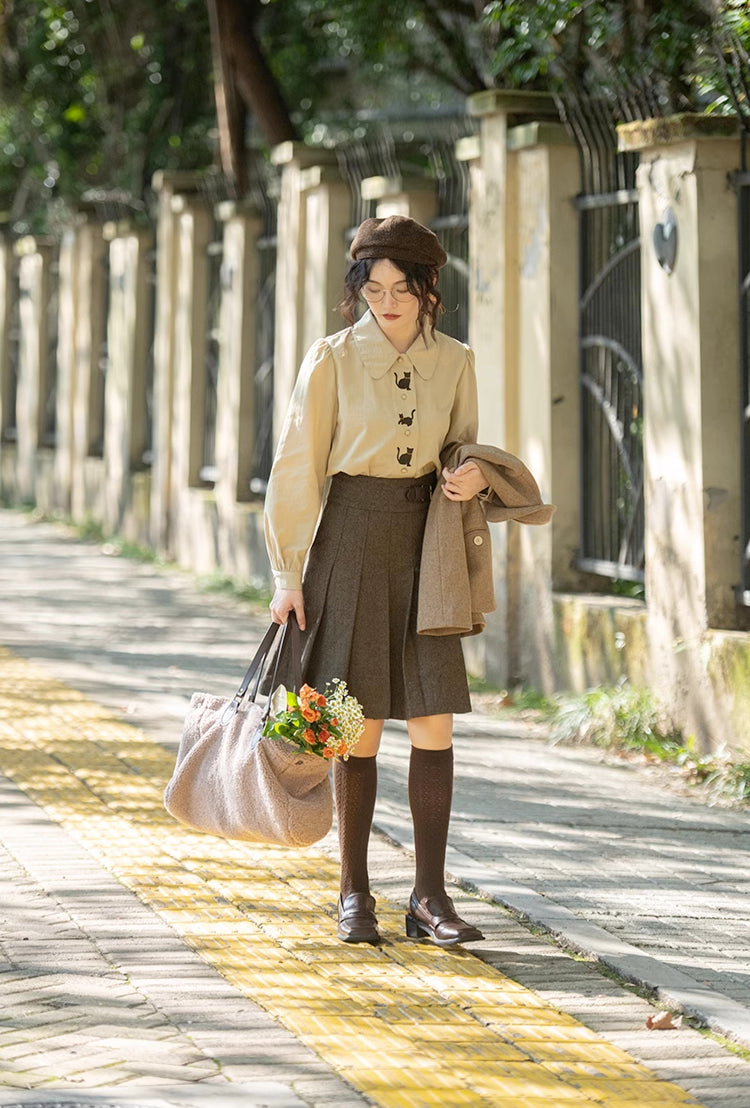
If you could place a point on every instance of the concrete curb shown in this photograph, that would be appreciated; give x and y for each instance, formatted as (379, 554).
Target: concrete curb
(672, 987)
(263, 1094)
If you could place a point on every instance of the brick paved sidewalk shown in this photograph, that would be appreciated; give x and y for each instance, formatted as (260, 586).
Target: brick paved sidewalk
(105, 991)
(140, 640)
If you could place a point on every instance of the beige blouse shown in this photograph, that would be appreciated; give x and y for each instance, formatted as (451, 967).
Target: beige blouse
(360, 407)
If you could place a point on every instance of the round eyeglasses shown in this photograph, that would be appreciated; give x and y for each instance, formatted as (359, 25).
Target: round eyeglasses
(373, 294)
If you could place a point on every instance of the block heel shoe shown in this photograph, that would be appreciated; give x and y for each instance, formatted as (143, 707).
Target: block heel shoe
(435, 918)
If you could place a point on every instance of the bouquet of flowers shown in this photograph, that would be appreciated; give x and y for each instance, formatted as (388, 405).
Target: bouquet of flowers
(328, 724)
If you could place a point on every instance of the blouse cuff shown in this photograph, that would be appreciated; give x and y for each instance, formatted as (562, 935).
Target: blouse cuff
(287, 579)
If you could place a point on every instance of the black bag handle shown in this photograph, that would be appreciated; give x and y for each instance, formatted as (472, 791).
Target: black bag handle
(257, 665)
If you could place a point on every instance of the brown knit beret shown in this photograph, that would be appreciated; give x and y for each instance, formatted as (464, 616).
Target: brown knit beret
(400, 239)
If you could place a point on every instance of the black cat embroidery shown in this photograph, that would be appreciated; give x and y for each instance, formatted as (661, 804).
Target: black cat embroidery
(407, 419)
(405, 382)
(404, 458)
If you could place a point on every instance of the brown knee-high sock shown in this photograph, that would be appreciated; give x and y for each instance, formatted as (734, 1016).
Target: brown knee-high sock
(430, 796)
(355, 784)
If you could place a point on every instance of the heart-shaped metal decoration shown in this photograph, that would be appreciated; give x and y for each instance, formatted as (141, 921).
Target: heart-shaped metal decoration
(665, 241)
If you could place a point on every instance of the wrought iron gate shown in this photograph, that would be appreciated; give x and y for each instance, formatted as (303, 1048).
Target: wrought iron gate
(612, 535)
(611, 375)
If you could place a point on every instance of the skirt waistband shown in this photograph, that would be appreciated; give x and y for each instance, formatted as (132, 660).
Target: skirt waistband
(393, 493)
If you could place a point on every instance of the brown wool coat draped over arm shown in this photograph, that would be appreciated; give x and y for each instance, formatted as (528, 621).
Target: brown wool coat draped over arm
(456, 586)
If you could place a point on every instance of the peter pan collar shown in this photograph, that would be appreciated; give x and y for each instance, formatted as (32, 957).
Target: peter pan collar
(379, 355)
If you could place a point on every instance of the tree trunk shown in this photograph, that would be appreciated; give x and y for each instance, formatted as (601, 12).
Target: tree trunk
(244, 81)
(230, 109)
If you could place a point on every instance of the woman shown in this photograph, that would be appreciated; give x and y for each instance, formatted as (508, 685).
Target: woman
(372, 408)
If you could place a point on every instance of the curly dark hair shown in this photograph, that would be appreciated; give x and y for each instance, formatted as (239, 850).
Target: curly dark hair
(421, 280)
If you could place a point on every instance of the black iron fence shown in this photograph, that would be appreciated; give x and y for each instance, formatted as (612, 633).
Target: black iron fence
(97, 385)
(147, 454)
(611, 375)
(12, 338)
(265, 191)
(214, 258)
(612, 517)
(452, 228)
(265, 325)
(48, 399)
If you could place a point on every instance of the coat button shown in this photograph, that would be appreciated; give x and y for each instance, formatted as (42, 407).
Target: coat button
(478, 540)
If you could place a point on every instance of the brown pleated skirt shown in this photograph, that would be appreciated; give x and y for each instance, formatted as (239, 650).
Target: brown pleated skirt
(360, 587)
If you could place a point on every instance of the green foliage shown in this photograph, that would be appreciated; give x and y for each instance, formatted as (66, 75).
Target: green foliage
(355, 56)
(94, 98)
(665, 53)
(97, 96)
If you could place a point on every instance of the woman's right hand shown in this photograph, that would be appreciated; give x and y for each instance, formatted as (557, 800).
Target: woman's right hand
(285, 601)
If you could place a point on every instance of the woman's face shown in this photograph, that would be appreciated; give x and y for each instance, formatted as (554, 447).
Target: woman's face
(396, 312)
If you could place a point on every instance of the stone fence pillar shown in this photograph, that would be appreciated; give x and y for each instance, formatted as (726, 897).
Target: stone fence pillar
(493, 325)
(89, 369)
(125, 418)
(166, 186)
(194, 232)
(547, 176)
(66, 367)
(33, 277)
(691, 402)
(327, 206)
(292, 260)
(235, 409)
(412, 196)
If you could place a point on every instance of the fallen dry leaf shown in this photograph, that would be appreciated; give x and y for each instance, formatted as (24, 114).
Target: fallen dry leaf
(664, 1021)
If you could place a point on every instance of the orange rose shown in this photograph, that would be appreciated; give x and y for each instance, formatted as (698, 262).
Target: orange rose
(309, 735)
(321, 701)
(324, 735)
(310, 715)
(334, 722)
(306, 691)
(327, 753)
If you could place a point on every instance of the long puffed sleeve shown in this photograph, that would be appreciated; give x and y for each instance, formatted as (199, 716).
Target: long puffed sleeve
(295, 487)
(464, 425)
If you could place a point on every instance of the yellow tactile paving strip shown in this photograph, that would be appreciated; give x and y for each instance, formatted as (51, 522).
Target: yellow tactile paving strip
(410, 1025)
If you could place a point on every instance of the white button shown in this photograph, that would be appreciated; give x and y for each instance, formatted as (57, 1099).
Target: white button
(407, 433)
(403, 469)
(478, 540)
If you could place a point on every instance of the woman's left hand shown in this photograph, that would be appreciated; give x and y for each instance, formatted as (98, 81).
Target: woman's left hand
(464, 482)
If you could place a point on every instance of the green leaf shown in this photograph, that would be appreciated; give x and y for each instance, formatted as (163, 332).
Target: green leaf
(76, 113)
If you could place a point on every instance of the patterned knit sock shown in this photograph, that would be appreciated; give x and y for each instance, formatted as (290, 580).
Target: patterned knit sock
(355, 784)
(430, 796)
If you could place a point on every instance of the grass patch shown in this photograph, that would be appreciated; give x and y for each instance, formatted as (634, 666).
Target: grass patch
(630, 721)
(622, 718)
(627, 721)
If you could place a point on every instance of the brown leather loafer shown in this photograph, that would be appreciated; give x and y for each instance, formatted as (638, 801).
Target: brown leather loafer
(434, 917)
(357, 922)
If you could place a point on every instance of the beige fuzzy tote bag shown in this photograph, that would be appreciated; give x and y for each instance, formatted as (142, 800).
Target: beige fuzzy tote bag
(232, 781)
